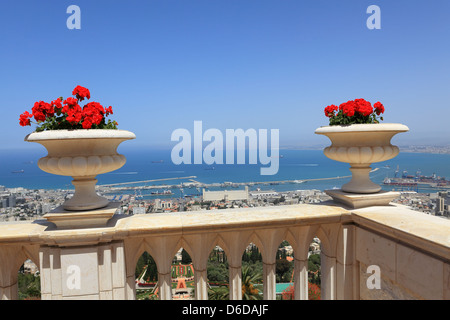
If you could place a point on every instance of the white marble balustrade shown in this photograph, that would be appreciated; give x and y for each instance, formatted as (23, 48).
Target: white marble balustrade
(411, 249)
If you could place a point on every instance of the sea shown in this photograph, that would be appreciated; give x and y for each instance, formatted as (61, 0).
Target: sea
(19, 168)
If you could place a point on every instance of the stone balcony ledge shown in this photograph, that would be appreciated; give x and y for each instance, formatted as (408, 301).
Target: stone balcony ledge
(123, 226)
(411, 248)
(423, 231)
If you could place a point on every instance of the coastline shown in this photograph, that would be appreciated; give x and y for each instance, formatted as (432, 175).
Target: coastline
(21, 170)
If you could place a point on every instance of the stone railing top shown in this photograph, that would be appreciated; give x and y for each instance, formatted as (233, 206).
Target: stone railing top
(234, 219)
(420, 230)
(124, 226)
(427, 233)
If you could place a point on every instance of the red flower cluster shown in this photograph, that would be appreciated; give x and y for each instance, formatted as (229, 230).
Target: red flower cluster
(363, 107)
(359, 106)
(81, 93)
(73, 110)
(93, 113)
(330, 110)
(348, 108)
(354, 111)
(68, 114)
(379, 108)
(41, 110)
(25, 119)
(313, 292)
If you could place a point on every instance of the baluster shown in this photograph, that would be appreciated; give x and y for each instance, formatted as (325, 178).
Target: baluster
(300, 279)
(269, 284)
(201, 290)
(235, 282)
(165, 286)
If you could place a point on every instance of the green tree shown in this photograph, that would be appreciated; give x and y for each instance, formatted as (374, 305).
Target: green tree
(217, 272)
(246, 257)
(282, 269)
(217, 255)
(151, 271)
(185, 257)
(255, 255)
(283, 244)
(29, 286)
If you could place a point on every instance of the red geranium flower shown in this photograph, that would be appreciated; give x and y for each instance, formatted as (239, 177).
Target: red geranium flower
(94, 107)
(363, 107)
(56, 104)
(87, 124)
(354, 111)
(329, 111)
(348, 108)
(94, 112)
(81, 93)
(41, 110)
(74, 114)
(379, 108)
(67, 113)
(25, 119)
(70, 101)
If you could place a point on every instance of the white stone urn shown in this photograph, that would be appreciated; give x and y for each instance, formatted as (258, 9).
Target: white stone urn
(360, 145)
(82, 154)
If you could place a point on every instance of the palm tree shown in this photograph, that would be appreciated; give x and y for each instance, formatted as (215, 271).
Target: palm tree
(218, 293)
(249, 279)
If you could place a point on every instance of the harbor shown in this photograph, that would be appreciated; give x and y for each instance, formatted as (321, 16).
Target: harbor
(192, 183)
(417, 181)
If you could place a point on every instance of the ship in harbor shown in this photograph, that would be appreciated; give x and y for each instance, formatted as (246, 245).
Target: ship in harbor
(164, 193)
(399, 182)
(417, 180)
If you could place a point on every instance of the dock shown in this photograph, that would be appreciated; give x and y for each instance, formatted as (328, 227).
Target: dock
(197, 184)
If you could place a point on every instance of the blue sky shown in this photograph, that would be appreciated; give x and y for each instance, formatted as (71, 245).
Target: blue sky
(269, 64)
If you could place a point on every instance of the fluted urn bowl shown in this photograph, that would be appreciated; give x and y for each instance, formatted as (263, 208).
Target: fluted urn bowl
(82, 154)
(360, 145)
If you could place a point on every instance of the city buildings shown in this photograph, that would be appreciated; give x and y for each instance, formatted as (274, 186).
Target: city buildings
(25, 204)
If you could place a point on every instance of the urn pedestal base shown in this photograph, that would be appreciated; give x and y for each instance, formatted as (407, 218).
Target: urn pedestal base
(85, 197)
(356, 201)
(65, 219)
(360, 182)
